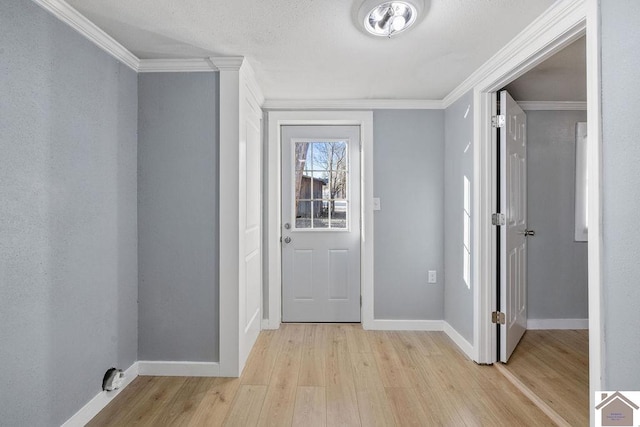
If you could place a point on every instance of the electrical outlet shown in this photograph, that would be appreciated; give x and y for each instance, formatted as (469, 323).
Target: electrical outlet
(432, 276)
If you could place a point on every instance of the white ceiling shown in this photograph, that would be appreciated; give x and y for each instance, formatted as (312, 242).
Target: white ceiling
(563, 77)
(311, 49)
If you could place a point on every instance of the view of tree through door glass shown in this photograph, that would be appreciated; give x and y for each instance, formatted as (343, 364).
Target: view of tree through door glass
(321, 171)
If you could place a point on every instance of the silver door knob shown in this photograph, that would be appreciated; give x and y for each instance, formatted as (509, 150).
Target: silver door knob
(527, 233)
(287, 239)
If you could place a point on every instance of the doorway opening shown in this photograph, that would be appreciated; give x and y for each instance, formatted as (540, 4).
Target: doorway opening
(541, 246)
(336, 207)
(321, 224)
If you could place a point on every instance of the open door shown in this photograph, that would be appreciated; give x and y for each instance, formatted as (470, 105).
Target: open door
(513, 231)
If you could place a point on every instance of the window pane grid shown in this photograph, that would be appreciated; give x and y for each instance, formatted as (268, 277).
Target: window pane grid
(321, 175)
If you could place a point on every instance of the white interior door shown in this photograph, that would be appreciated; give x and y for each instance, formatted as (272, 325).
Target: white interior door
(513, 234)
(321, 223)
(250, 201)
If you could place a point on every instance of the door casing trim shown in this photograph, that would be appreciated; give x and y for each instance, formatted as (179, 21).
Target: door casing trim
(273, 220)
(584, 18)
(562, 26)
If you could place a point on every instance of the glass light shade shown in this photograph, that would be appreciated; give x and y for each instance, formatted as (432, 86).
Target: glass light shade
(390, 18)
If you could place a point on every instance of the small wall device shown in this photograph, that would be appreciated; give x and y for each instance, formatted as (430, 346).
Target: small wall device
(113, 379)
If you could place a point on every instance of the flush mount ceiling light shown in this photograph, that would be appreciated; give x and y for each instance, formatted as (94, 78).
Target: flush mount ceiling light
(389, 18)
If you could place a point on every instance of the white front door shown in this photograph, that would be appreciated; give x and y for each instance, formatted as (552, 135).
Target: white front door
(513, 234)
(321, 223)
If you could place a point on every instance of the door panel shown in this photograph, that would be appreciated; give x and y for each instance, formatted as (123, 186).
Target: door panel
(302, 274)
(513, 240)
(250, 200)
(338, 274)
(321, 223)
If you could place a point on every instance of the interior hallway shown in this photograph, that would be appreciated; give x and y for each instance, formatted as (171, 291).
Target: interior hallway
(328, 374)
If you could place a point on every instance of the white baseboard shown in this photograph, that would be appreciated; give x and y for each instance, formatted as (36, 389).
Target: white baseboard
(459, 340)
(405, 325)
(270, 324)
(100, 401)
(558, 324)
(424, 325)
(178, 369)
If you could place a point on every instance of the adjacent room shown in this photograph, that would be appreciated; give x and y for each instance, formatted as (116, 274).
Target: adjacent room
(287, 213)
(552, 356)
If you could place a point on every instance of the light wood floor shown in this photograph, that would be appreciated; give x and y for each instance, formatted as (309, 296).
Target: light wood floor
(334, 375)
(555, 366)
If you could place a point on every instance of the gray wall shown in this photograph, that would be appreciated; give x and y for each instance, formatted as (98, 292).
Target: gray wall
(68, 252)
(458, 297)
(408, 154)
(178, 216)
(557, 265)
(621, 201)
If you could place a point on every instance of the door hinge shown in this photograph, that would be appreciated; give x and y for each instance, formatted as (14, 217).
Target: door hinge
(498, 121)
(498, 219)
(360, 300)
(498, 317)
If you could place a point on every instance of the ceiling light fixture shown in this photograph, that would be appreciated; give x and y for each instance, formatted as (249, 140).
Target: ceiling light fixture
(388, 18)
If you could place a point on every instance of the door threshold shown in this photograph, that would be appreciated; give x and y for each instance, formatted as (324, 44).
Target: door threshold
(532, 396)
(321, 323)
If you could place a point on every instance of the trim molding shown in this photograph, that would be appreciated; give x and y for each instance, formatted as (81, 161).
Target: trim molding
(560, 25)
(100, 401)
(178, 369)
(227, 63)
(353, 104)
(275, 120)
(560, 13)
(553, 105)
(597, 355)
(532, 396)
(424, 325)
(70, 16)
(252, 83)
(265, 325)
(459, 340)
(406, 325)
(557, 324)
(240, 121)
(186, 65)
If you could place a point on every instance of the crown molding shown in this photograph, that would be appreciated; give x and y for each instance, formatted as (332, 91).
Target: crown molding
(560, 14)
(70, 16)
(553, 105)
(186, 65)
(227, 63)
(353, 104)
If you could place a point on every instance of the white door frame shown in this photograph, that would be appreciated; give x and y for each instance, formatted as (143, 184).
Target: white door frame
(240, 106)
(276, 119)
(542, 41)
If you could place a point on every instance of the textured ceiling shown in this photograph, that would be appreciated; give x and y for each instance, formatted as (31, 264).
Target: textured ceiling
(311, 49)
(563, 77)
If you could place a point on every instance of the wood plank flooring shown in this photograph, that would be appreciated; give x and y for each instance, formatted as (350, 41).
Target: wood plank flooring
(334, 375)
(555, 366)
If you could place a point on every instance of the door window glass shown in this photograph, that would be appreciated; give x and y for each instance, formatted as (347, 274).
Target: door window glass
(320, 185)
